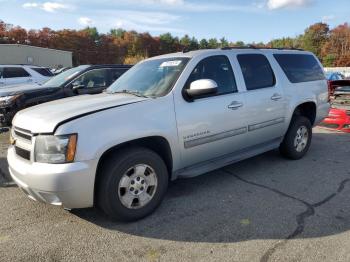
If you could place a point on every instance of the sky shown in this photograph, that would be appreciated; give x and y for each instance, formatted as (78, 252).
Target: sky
(244, 20)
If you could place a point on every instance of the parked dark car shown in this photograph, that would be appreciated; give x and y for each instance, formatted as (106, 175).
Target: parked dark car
(85, 79)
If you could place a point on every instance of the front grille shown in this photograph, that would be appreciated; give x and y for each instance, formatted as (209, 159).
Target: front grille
(22, 153)
(23, 142)
(22, 135)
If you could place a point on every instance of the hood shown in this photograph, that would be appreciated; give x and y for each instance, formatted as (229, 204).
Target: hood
(46, 117)
(20, 89)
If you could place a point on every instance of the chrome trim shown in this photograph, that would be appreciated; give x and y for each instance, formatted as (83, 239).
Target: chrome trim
(266, 124)
(23, 140)
(215, 137)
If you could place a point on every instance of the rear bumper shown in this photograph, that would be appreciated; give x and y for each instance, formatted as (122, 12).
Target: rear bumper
(68, 185)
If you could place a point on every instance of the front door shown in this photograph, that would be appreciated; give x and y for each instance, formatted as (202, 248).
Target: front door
(215, 125)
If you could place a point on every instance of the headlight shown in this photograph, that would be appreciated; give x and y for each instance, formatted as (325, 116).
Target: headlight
(55, 149)
(6, 100)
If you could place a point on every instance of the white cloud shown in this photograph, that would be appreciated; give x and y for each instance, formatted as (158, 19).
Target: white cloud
(30, 5)
(166, 2)
(85, 21)
(146, 21)
(328, 18)
(47, 6)
(279, 4)
(188, 6)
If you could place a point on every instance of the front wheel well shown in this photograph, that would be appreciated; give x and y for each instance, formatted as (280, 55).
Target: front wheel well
(308, 110)
(157, 144)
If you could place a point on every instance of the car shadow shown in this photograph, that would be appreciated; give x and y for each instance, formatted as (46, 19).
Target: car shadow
(265, 197)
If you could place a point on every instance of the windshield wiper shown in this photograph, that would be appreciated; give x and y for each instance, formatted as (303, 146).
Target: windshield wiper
(135, 93)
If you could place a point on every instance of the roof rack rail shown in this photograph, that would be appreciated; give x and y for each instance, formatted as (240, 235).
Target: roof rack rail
(239, 47)
(254, 47)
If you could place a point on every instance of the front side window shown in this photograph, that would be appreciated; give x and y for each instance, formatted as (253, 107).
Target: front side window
(217, 68)
(300, 67)
(151, 78)
(257, 71)
(96, 78)
(65, 76)
(12, 72)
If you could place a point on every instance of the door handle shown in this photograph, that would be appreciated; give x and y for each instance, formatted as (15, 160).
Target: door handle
(30, 80)
(276, 97)
(235, 105)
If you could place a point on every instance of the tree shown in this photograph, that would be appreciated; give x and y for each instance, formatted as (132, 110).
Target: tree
(213, 43)
(315, 37)
(121, 46)
(185, 42)
(203, 44)
(223, 42)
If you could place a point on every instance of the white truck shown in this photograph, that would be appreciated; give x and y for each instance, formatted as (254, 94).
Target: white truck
(172, 116)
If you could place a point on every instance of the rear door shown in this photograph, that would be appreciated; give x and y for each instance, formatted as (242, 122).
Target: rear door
(16, 75)
(265, 99)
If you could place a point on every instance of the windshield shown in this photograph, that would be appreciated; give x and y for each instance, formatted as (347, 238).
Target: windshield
(61, 78)
(152, 78)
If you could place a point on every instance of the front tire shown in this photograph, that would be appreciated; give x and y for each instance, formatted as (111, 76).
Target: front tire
(297, 141)
(132, 184)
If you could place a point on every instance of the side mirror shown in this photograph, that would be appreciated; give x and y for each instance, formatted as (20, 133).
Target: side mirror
(202, 87)
(77, 85)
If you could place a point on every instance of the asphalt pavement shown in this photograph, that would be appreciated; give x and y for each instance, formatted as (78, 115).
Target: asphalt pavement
(265, 208)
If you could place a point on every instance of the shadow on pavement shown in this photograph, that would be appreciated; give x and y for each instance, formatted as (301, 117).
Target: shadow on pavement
(265, 197)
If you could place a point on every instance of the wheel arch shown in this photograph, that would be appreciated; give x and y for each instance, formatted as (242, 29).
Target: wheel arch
(158, 144)
(307, 109)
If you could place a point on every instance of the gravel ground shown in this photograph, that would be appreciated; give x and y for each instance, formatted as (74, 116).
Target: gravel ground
(263, 209)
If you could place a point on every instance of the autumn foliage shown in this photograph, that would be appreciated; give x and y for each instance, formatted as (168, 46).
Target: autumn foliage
(89, 46)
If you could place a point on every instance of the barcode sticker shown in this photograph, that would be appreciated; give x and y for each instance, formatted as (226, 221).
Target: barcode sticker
(171, 63)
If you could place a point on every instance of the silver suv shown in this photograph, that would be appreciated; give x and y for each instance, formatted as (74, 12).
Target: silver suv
(172, 116)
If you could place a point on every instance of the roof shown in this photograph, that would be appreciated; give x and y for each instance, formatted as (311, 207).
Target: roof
(227, 51)
(37, 47)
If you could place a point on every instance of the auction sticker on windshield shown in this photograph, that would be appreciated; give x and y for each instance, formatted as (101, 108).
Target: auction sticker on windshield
(171, 63)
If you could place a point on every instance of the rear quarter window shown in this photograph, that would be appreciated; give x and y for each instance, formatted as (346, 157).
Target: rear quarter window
(42, 71)
(13, 72)
(300, 67)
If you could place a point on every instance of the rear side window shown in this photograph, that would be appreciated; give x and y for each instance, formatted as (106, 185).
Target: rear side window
(257, 71)
(116, 73)
(42, 71)
(12, 72)
(300, 67)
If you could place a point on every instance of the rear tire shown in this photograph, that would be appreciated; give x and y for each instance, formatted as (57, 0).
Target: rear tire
(298, 138)
(132, 183)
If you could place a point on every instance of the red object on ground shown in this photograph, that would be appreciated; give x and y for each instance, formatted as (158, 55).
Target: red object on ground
(339, 115)
(338, 119)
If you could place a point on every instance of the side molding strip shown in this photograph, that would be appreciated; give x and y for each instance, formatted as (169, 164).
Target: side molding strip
(266, 124)
(216, 137)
